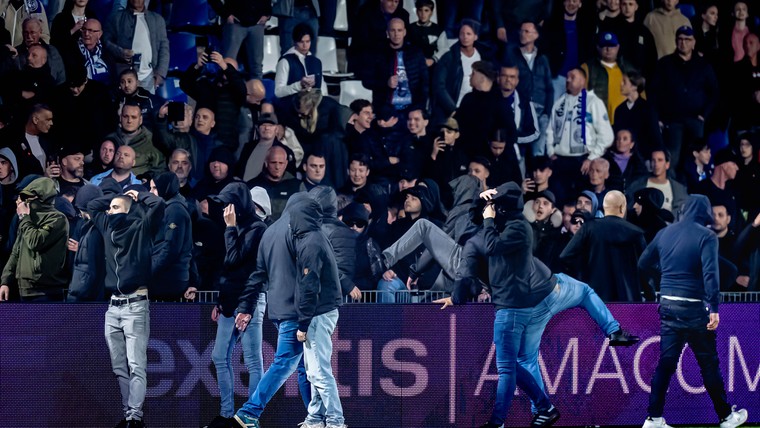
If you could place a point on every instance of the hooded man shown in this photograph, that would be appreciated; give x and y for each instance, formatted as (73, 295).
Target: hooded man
(89, 271)
(686, 255)
(647, 212)
(276, 270)
(128, 224)
(317, 297)
(341, 237)
(243, 233)
(38, 259)
(172, 248)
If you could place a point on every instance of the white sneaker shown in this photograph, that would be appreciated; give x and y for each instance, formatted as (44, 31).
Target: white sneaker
(736, 418)
(305, 424)
(656, 423)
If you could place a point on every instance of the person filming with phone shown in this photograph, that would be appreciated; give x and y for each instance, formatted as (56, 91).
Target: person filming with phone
(298, 69)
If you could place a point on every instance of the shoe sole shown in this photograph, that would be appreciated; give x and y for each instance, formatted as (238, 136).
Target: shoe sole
(240, 422)
(626, 343)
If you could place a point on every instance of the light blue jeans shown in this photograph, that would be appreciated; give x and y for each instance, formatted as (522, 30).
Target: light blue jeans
(317, 352)
(387, 291)
(569, 293)
(127, 331)
(287, 359)
(226, 337)
(233, 37)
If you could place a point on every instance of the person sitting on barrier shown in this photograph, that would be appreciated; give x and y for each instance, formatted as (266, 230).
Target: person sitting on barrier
(505, 240)
(242, 237)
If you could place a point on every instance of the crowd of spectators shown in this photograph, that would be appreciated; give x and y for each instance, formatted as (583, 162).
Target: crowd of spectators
(607, 113)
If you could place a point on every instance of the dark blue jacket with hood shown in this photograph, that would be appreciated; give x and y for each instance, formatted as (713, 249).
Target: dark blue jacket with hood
(686, 254)
(318, 287)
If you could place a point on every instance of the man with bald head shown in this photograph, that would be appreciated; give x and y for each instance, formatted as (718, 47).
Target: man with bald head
(279, 183)
(399, 76)
(608, 250)
(31, 30)
(89, 51)
(123, 162)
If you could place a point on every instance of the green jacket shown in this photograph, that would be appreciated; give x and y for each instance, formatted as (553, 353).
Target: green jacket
(38, 258)
(147, 156)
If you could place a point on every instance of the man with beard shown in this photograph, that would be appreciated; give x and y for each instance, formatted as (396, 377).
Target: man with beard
(71, 171)
(123, 163)
(180, 165)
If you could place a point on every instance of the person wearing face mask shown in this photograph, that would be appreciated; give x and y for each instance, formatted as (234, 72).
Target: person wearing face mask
(128, 224)
(279, 183)
(36, 264)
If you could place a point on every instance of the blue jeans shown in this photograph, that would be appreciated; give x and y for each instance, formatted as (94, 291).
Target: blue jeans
(569, 293)
(682, 323)
(287, 358)
(234, 35)
(508, 335)
(127, 330)
(325, 402)
(388, 290)
(226, 337)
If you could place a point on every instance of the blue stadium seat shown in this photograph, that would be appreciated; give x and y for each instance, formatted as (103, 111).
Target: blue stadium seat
(190, 12)
(170, 90)
(182, 51)
(102, 9)
(269, 87)
(687, 10)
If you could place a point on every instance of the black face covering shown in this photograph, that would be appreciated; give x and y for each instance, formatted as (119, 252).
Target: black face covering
(117, 221)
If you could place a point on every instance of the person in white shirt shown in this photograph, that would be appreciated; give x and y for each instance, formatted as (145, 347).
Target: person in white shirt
(298, 69)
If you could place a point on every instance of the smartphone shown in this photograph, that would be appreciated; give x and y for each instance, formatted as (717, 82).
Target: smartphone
(52, 160)
(176, 111)
(442, 135)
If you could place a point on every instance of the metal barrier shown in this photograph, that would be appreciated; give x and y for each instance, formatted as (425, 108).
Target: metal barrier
(428, 296)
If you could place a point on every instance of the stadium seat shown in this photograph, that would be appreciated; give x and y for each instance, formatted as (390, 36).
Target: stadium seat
(351, 90)
(102, 9)
(170, 90)
(687, 10)
(271, 54)
(269, 88)
(182, 52)
(327, 52)
(191, 12)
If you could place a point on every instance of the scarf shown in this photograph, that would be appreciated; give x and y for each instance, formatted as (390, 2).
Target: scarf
(576, 116)
(93, 61)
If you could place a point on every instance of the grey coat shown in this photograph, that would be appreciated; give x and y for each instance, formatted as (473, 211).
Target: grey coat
(119, 34)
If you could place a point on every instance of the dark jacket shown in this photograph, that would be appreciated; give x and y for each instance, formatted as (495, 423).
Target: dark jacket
(89, 271)
(118, 35)
(465, 191)
(478, 115)
(279, 192)
(683, 89)
(447, 80)
(128, 241)
(636, 43)
(620, 180)
(380, 144)
(275, 270)
(555, 40)
(318, 290)
(517, 279)
(341, 238)
(242, 245)
(642, 121)
(686, 255)
(385, 66)
(173, 246)
(369, 33)
(610, 248)
(535, 82)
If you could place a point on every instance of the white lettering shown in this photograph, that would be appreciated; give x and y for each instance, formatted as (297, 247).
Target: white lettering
(200, 369)
(339, 346)
(365, 368)
(734, 352)
(484, 375)
(570, 351)
(617, 374)
(637, 363)
(417, 370)
(165, 364)
(682, 380)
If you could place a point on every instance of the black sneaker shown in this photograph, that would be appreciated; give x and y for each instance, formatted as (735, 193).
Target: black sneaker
(545, 418)
(135, 423)
(221, 422)
(623, 338)
(122, 424)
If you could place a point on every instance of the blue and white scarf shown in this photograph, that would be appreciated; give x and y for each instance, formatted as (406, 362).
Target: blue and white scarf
(93, 61)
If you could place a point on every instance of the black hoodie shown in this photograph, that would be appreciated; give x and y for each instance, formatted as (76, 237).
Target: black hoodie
(128, 243)
(318, 290)
(89, 267)
(173, 245)
(341, 238)
(241, 243)
(517, 279)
